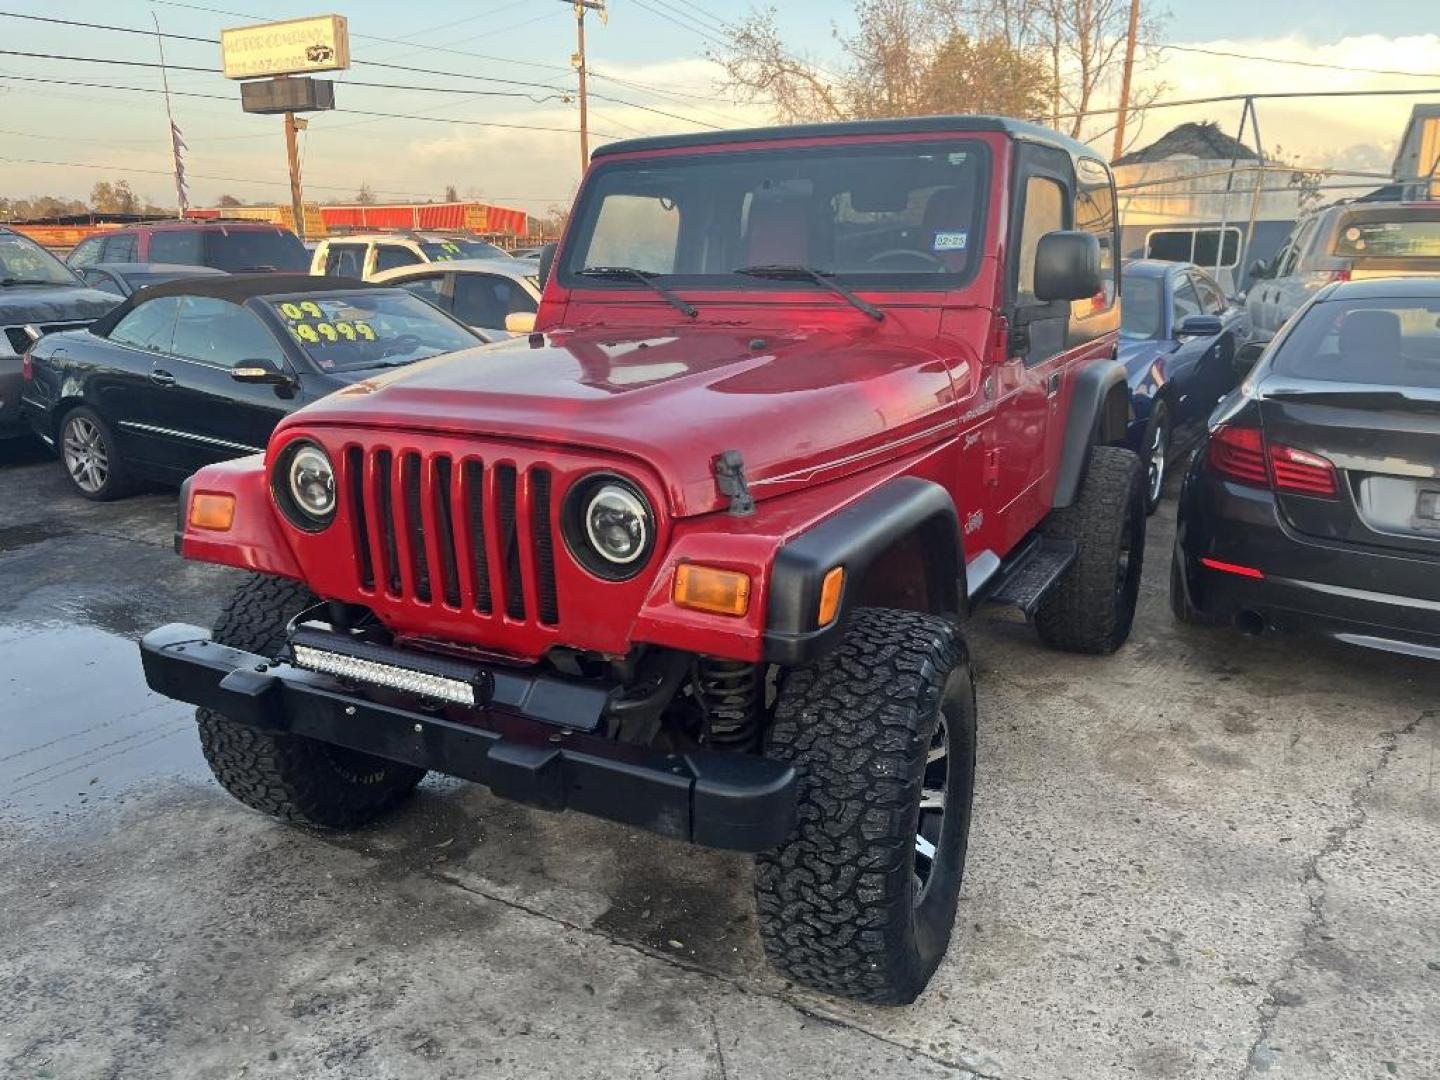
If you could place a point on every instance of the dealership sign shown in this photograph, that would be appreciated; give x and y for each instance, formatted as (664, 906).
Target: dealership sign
(293, 47)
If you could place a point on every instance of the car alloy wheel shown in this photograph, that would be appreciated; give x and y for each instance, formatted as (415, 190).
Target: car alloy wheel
(1158, 450)
(932, 806)
(87, 459)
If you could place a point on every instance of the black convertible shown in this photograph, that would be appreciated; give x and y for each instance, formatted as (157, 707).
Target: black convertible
(195, 371)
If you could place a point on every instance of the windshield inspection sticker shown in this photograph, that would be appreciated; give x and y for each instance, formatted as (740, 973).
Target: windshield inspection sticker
(951, 241)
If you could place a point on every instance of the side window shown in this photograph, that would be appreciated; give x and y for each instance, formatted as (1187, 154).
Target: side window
(176, 246)
(485, 299)
(149, 326)
(1044, 213)
(119, 248)
(221, 333)
(102, 280)
(1095, 214)
(345, 260)
(1186, 303)
(636, 230)
(1212, 300)
(1298, 245)
(87, 252)
(431, 287)
(389, 256)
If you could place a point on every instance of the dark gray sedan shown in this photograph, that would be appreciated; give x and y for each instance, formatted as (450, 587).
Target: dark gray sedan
(122, 279)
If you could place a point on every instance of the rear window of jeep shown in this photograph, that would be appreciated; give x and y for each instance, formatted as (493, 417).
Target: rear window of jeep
(895, 215)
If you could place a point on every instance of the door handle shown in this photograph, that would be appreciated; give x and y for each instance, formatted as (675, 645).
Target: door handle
(162, 378)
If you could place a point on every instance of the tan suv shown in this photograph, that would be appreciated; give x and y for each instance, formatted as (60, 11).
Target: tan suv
(367, 254)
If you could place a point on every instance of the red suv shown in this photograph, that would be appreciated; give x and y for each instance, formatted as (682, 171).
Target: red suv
(696, 555)
(233, 246)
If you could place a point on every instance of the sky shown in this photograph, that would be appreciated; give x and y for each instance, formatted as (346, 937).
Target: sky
(648, 59)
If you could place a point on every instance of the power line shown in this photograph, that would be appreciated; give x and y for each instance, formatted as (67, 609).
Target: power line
(1292, 63)
(355, 112)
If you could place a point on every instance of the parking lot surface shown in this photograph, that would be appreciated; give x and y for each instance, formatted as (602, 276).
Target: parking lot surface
(1207, 856)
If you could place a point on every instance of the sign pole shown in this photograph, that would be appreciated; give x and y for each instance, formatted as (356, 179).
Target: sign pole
(292, 153)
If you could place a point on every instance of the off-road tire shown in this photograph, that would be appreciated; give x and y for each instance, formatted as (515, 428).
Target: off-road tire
(119, 481)
(289, 776)
(838, 900)
(1092, 607)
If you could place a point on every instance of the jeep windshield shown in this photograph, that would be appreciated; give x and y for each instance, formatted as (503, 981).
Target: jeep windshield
(347, 331)
(896, 215)
(24, 262)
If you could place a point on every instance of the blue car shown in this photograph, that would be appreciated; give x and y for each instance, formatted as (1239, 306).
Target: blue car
(1179, 338)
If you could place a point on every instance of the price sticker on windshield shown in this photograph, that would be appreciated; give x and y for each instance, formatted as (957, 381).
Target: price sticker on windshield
(305, 309)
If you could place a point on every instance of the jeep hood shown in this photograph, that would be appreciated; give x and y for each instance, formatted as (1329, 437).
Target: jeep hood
(798, 405)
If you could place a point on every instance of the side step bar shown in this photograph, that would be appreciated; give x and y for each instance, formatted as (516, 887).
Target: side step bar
(1027, 577)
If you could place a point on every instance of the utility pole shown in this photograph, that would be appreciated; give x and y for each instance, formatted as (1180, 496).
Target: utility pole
(1125, 79)
(581, 7)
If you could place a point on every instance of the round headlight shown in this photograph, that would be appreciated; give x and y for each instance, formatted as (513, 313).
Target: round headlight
(312, 482)
(608, 526)
(617, 524)
(304, 486)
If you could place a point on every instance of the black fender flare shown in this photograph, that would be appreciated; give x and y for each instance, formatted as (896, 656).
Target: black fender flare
(1090, 423)
(853, 538)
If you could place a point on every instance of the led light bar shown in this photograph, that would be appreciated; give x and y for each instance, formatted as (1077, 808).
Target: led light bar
(437, 687)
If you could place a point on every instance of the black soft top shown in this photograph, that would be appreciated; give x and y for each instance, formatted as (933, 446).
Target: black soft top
(1017, 129)
(237, 288)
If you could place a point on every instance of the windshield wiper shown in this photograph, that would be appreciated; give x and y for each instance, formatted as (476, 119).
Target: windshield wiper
(28, 281)
(645, 277)
(824, 278)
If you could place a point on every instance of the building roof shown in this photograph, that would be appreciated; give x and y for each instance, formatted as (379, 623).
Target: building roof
(856, 129)
(1202, 140)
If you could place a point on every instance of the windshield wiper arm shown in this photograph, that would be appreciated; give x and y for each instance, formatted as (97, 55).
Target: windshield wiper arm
(823, 278)
(645, 277)
(28, 281)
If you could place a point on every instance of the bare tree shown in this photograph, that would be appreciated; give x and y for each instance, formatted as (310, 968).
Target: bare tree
(116, 198)
(365, 197)
(451, 195)
(906, 58)
(229, 200)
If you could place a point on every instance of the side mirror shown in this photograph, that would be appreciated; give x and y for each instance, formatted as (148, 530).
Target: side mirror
(547, 260)
(520, 322)
(261, 372)
(1067, 266)
(1200, 326)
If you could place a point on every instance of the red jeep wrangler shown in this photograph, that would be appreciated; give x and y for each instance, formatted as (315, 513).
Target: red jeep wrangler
(694, 555)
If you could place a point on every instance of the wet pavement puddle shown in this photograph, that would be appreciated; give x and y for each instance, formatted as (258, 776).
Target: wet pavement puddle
(79, 725)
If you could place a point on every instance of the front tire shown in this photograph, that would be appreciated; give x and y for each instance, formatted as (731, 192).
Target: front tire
(860, 900)
(91, 458)
(291, 777)
(1092, 607)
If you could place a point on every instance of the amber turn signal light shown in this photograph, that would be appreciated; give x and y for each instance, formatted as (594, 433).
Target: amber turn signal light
(704, 588)
(830, 591)
(211, 511)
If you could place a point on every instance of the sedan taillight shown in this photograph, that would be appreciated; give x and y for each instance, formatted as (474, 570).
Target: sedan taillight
(1242, 454)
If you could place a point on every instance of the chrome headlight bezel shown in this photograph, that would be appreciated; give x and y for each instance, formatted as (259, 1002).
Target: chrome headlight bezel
(285, 484)
(578, 528)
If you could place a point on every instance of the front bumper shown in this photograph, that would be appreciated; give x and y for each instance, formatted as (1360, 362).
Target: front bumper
(722, 800)
(1384, 600)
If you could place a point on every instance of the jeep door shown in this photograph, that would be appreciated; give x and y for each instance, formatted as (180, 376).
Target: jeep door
(1051, 335)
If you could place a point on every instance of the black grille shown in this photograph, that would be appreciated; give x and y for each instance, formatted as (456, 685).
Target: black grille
(509, 542)
(421, 525)
(547, 601)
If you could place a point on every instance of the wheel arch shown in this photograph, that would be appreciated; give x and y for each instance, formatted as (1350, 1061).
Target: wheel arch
(900, 546)
(1100, 412)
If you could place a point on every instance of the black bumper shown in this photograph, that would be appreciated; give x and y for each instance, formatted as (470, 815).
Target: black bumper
(721, 800)
(1385, 600)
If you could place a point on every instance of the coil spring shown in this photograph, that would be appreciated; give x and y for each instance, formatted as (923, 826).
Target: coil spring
(729, 692)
